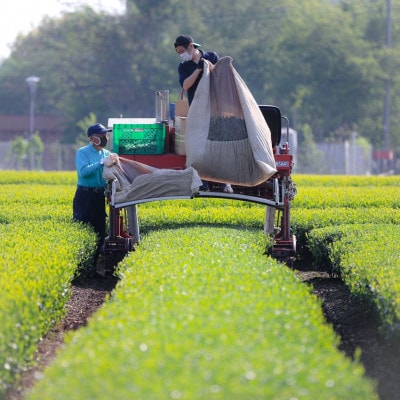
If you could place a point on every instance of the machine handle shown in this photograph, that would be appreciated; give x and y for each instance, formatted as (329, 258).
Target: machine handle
(287, 133)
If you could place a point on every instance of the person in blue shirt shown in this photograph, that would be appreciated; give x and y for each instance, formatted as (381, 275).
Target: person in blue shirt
(89, 200)
(190, 71)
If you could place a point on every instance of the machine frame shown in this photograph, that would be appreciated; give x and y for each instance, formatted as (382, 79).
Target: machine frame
(276, 194)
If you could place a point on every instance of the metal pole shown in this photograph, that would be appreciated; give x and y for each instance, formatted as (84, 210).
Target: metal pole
(32, 81)
(32, 111)
(386, 112)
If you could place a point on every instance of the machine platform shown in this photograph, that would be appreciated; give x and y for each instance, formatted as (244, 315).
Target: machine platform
(276, 194)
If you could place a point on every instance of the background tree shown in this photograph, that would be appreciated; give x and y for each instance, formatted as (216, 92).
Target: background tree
(81, 139)
(324, 63)
(18, 153)
(34, 150)
(310, 160)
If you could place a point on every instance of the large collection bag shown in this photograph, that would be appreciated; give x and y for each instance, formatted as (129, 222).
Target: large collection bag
(227, 138)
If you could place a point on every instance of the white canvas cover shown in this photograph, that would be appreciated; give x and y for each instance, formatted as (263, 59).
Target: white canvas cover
(227, 138)
(136, 181)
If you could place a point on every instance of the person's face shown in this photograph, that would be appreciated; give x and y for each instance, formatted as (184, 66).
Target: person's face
(99, 139)
(182, 49)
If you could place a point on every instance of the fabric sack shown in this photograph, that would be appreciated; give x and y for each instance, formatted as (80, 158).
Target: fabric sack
(135, 181)
(227, 138)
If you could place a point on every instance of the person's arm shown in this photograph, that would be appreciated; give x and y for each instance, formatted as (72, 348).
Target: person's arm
(190, 80)
(84, 166)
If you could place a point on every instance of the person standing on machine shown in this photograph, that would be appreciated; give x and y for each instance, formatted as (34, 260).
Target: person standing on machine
(89, 200)
(190, 71)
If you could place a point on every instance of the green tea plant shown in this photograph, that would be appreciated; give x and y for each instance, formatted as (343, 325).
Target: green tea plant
(304, 220)
(347, 196)
(367, 257)
(200, 211)
(353, 232)
(323, 181)
(201, 313)
(38, 177)
(19, 202)
(41, 249)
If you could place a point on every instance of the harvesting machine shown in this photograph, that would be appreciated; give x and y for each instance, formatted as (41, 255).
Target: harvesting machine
(276, 193)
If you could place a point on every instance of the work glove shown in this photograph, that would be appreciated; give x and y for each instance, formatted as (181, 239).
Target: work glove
(110, 160)
(200, 65)
(102, 161)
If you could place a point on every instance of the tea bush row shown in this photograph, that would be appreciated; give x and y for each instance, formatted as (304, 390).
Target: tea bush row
(347, 196)
(304, 220)
(362, 206)
(303, 181)
(153, 216)
(307, 181)
(38, 177)
(21, 202)
(201, 313)
(40, 250)
(363, 231)
(367, 257)
(200, 211)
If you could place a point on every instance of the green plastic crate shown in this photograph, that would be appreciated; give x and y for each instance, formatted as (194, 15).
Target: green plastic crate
(134, 139)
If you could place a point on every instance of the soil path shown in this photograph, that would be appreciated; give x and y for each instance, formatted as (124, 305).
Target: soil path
(357, 325)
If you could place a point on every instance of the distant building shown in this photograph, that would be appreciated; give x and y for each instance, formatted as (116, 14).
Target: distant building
(56, 156)
(345, 158)
(49, 128)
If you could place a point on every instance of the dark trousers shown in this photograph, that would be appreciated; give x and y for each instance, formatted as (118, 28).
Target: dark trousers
(89, 207)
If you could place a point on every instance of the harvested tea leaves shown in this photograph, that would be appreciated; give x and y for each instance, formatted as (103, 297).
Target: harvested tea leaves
(227, 129)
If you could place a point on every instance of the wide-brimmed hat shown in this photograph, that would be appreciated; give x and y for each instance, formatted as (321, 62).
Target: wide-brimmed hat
(185, 40)
(97, 129)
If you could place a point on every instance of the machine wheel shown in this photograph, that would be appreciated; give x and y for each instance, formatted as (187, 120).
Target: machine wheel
(284, 250)
(113, 251)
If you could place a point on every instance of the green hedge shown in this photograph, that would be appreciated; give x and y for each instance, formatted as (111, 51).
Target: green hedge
(200, 313)
(368, 259)
(115, 345)
(347, 196)
(357, 240)
(304, 220)
(40, 249)
(326, 181)
(200, 211)
(38, 177)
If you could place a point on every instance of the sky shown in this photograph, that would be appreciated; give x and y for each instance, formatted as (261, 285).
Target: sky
(21, 16)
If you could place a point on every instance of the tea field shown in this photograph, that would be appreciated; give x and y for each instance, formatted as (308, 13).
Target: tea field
(199, 311)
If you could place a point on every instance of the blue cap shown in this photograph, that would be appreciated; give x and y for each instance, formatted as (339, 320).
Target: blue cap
(97, 129)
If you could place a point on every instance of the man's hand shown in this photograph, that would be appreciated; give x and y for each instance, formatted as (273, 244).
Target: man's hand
(200, 65)
(110, 160)
(104, 160)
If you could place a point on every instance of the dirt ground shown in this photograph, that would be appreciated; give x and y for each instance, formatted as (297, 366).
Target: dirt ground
(353, 321)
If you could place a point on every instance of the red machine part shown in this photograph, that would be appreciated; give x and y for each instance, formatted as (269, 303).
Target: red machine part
(283, 241)
(277, 192)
